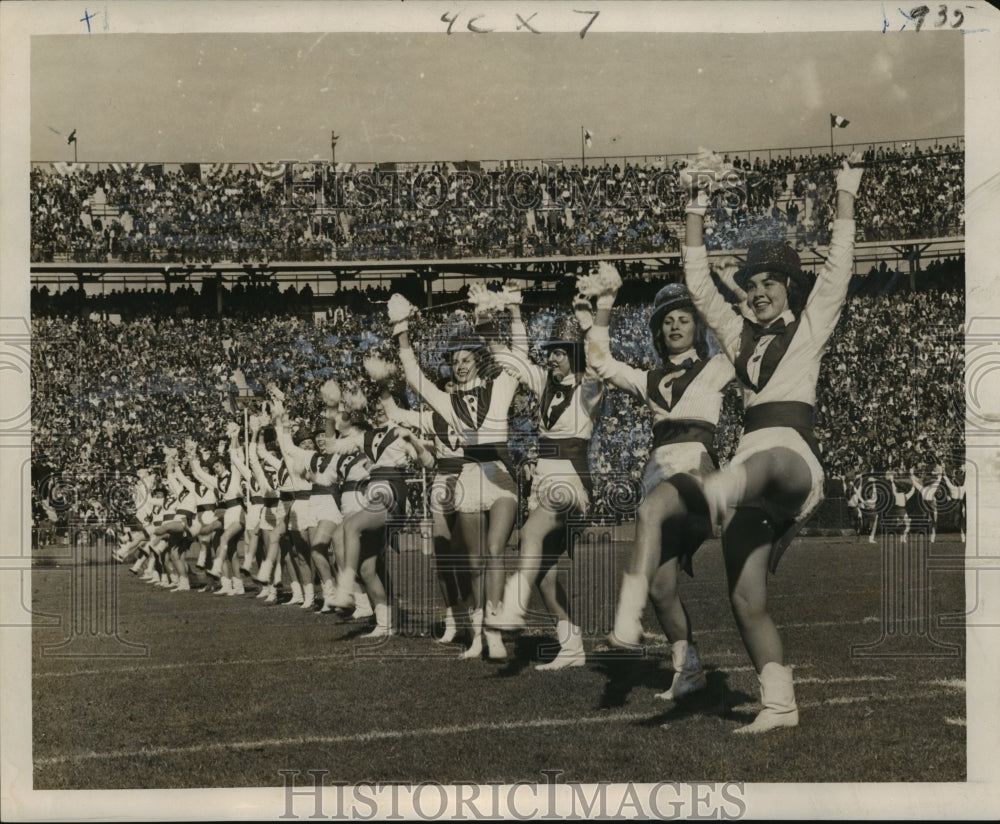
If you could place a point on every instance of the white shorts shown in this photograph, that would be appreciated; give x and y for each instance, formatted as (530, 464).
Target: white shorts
(480, 485)
(255, 514)
(324, 508)
(558, 488)
(274, 516)
(671, 458)
(233, 516)
(352, 501)
(301, 516)
(763, 440)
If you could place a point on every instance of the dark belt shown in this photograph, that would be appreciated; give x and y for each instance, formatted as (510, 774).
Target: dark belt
(573, 450)
(318, 491)
(257, 499)
(301, 494)
(206, 507)
(286, 496)
(353, 486)
(450, 466)
(686, 430)
(487, 452)
(231, 503)
(787, 414)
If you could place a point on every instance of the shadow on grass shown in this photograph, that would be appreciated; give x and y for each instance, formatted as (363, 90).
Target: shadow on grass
(715, 700)
(528, 651)
(625, 670)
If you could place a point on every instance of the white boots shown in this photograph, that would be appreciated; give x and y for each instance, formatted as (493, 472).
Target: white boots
(628, 619)
(688, 675)
(778, 697)
(511, 612)
(450, 627)
(571, 652)
(383, 627)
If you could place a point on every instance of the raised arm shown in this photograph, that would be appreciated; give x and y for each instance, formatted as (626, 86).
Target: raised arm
(236, 456)
(708, 300)
(598, 344)
(412, 418)
(182, 478)
(438, 399)
(258, 471)
(830, 290)
(266, 456)
(198, 470)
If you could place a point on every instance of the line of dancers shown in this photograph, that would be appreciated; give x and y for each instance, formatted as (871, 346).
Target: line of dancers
(322, 503)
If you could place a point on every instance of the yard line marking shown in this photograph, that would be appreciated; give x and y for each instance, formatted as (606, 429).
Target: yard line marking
(953, 683)
(958, 722)
(363, 737)
(184, 664)
(384, 735)
(843, 700)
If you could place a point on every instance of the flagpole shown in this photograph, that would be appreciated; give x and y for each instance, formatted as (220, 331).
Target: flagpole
(583, 147)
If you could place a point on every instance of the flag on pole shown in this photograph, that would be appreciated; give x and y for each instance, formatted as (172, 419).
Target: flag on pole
(838, 121)
(71, 138)
(588, 137)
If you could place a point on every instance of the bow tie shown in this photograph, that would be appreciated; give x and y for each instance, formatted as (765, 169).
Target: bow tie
(687, 363)
(776, 328)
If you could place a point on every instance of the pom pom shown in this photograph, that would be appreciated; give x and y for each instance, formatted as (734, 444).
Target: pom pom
(354, 400)
(708, 170)
(330, 393)
(482, 298)
(379, 370)
(232, 429)
(400, 308)
(509, 295)
(605, 281)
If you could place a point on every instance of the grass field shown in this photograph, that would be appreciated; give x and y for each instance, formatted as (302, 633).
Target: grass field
(230, 691)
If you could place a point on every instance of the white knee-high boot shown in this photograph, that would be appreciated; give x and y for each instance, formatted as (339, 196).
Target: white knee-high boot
(777, 694)
(688, 675)
(628, 619)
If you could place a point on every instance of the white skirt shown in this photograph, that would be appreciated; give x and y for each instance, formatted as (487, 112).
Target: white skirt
(301, 516)
(558, 488)
(773, 437)
(324, 508)
(254, 515)
(352, 501)
(482, 484)
(671, 458)
(274, 516)
(233, 515)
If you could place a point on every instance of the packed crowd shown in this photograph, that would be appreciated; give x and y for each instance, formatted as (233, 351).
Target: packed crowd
(107, 397)
(435, 211)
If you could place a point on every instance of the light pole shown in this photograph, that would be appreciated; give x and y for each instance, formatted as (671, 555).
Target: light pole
(334, 137)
